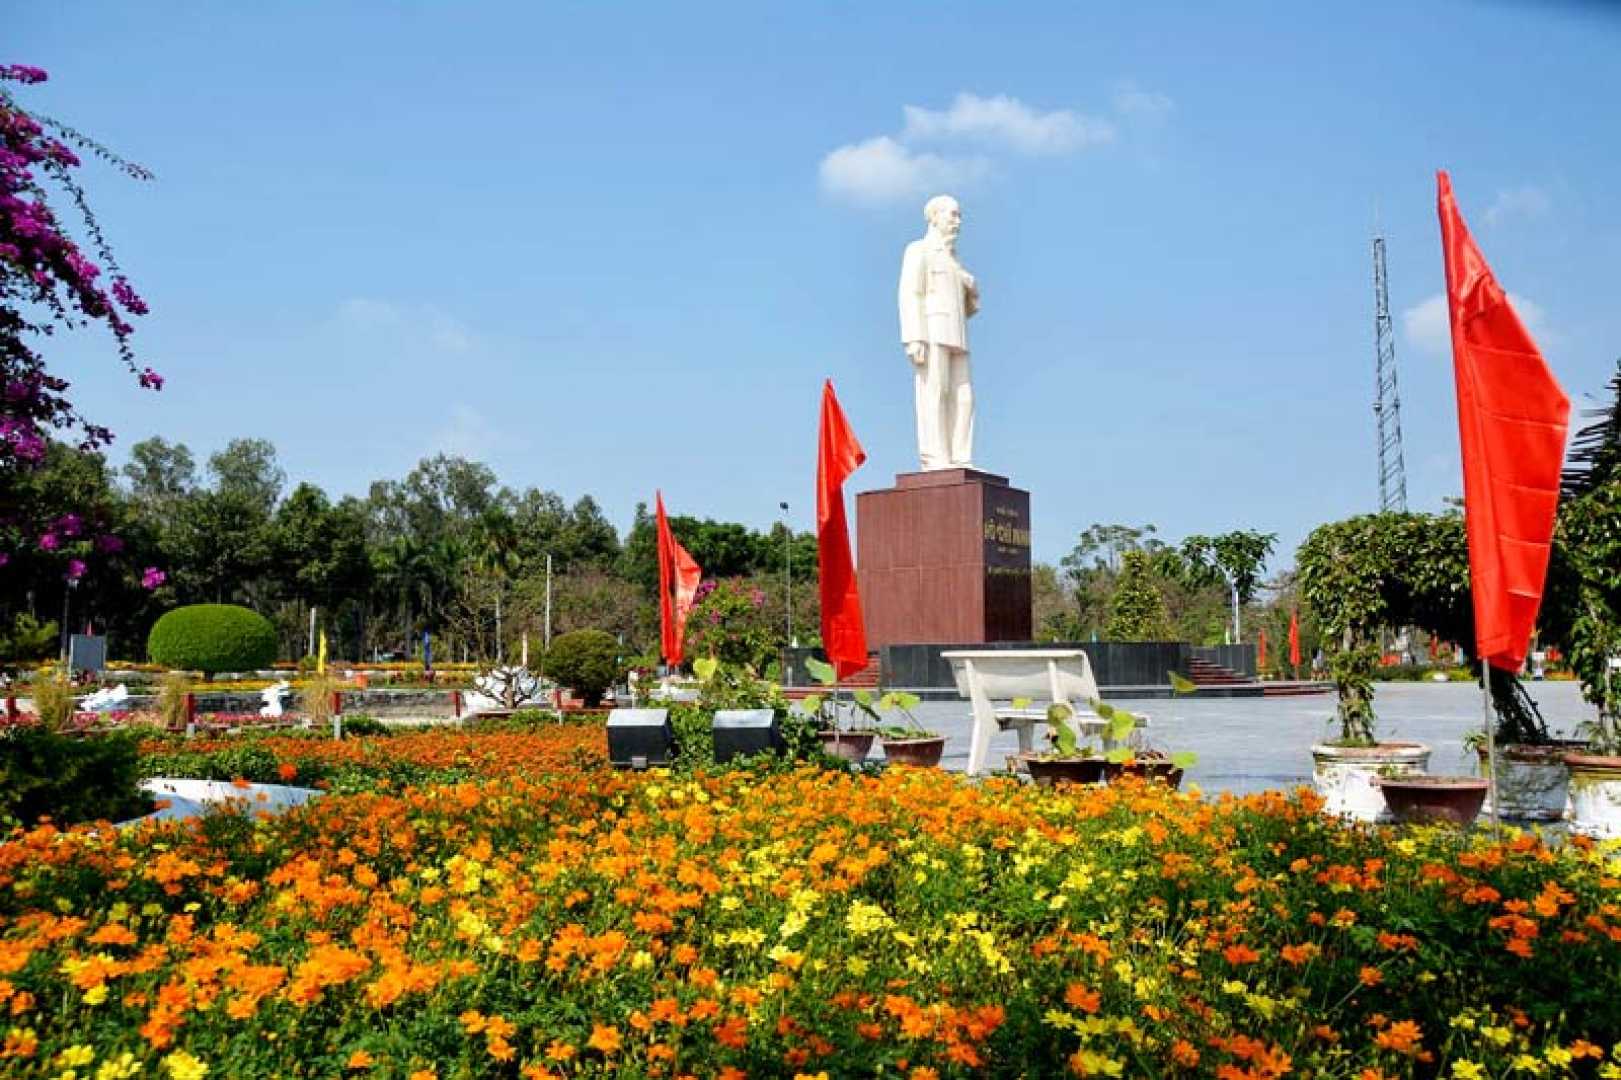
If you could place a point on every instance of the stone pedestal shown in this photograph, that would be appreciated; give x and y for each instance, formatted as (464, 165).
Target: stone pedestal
(944, 556)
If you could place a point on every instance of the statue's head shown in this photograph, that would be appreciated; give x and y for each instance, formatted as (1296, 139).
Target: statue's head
(944, 216)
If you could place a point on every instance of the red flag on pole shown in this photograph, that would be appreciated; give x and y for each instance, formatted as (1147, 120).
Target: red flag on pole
(1260, 657)
(679, 575)
(1294, 638)
(1512, 420)
(838, 454)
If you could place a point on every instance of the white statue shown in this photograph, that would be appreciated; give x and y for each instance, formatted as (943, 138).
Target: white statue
(275, 699)
(937, 298)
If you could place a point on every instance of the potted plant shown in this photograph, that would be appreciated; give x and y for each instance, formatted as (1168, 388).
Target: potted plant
(1132, 755)
(1595, 774)
(909, 743)
(1345, 769)
(1422, 799)
(1069, 761)
(1532, 778)
(842, 742)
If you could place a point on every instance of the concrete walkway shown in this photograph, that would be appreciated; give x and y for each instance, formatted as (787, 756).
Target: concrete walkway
(1250, 744)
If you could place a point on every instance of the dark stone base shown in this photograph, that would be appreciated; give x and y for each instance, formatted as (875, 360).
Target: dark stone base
(1136, 664)
(944, 555)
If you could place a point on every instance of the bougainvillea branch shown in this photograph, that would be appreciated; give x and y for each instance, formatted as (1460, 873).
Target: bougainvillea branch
(47, 282)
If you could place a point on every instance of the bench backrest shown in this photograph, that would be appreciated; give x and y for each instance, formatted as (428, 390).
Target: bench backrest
(1040, 674)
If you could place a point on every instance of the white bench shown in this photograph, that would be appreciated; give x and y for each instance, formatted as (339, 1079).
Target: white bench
(986, 676)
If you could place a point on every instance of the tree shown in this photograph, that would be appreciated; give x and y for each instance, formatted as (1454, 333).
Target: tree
(1235, 558)
(1138, 609)
(318, 549)
(247, 468)
(160, 473)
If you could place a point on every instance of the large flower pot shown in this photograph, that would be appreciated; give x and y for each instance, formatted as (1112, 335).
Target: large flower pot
(925, 753)
(1595, 795)
(1149, 769)
(1344, 775)
(849, 745)
(1422, 799)
(1533, 782)
(1048, 771)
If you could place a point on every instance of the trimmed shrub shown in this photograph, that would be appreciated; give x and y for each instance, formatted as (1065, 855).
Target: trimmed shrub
(211, 638)
(70, 780)
(585, 661)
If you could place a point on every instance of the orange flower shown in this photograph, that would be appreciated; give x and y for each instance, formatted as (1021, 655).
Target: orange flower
(1184, 1054)
(1240, 954)
(1371, 976)
(605, 1039)
(1077, 996)
(287, 771)
(360, 1060)
(1403, 1037)
(1299, 954)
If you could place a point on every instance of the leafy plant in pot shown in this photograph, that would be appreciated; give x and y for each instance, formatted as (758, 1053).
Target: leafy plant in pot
(842, 741)
(1346, 770)
(909, 743)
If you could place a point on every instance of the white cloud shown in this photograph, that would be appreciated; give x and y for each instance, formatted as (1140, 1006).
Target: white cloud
(467, 433)
(1006, 121)
(1428, 325)
(1131, 101)
(881, 169)
(961, 139)
(421, 323)
(1528, 201)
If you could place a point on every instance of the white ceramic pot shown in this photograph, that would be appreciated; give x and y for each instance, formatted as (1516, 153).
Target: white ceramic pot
(1595, 795)
(1533, 782)
(1344, 776)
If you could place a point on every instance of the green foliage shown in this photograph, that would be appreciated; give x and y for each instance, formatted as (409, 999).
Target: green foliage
(692, 727)
(71, 780)
(212, 638)
(365, 727)
(29, 640)
(731, 686)
(1234, 558)
(172, 691)
(585, 661)
(733, 623)
(1376, 571)
(1590, 543)
(1138, 610)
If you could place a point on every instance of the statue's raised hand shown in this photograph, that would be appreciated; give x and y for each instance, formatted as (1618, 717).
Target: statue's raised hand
(917, 352)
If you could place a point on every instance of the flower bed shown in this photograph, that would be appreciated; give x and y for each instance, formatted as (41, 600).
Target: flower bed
(561, 921)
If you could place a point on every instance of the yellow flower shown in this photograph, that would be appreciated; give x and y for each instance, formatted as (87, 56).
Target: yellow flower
(121, 1067)
(76, 1055)
(1558, 1055)
(96, 994)
(182, 1066)
(1467, 1070)
(865, 919)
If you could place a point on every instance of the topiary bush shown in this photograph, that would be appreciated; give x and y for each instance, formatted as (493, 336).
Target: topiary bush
(212, 638)
(585, 661)
(69, 780)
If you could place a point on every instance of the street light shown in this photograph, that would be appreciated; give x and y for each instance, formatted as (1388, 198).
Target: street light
(787, 572)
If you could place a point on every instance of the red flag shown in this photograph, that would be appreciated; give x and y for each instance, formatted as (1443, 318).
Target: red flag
(1512, 419)
(678, 585)
(1294, 638)
(838, 454)
(1260, 658)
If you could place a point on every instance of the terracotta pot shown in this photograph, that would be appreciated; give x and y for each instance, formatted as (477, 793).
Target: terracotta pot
(1149, 769)
(1433, 798)
(1533, 782)
(849, 745)
(1048, 771)
(1344, 775)
(925, 753)
(1595, 795)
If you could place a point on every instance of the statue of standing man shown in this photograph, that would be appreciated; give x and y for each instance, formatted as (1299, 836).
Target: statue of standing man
(937, 298)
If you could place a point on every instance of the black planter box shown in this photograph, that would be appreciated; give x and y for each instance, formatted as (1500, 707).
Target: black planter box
(639, 738)
(741, 732)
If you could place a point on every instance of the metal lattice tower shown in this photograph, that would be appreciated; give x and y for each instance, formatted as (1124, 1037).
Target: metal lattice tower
(1387, 405)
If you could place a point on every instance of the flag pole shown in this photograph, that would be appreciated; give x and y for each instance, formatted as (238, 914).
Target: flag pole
(1491, 744)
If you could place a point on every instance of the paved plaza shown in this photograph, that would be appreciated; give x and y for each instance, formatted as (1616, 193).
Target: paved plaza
(1250, 744)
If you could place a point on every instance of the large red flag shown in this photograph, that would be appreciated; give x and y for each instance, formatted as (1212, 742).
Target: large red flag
(1512, 419)
(1294, 638)
(679, 575)
(838, 454)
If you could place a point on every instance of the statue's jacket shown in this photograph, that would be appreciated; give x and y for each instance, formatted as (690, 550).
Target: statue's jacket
(936, 295)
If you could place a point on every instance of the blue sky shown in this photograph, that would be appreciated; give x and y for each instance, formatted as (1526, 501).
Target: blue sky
(608, 248)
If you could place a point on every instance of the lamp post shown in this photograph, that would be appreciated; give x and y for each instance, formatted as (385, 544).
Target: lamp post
(67, 631)
(787, 572)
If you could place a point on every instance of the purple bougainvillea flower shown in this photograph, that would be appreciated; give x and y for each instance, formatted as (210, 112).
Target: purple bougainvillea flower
(5, 557)
(153, 578)
(50, 542)
(69, 524)
(75, 569)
